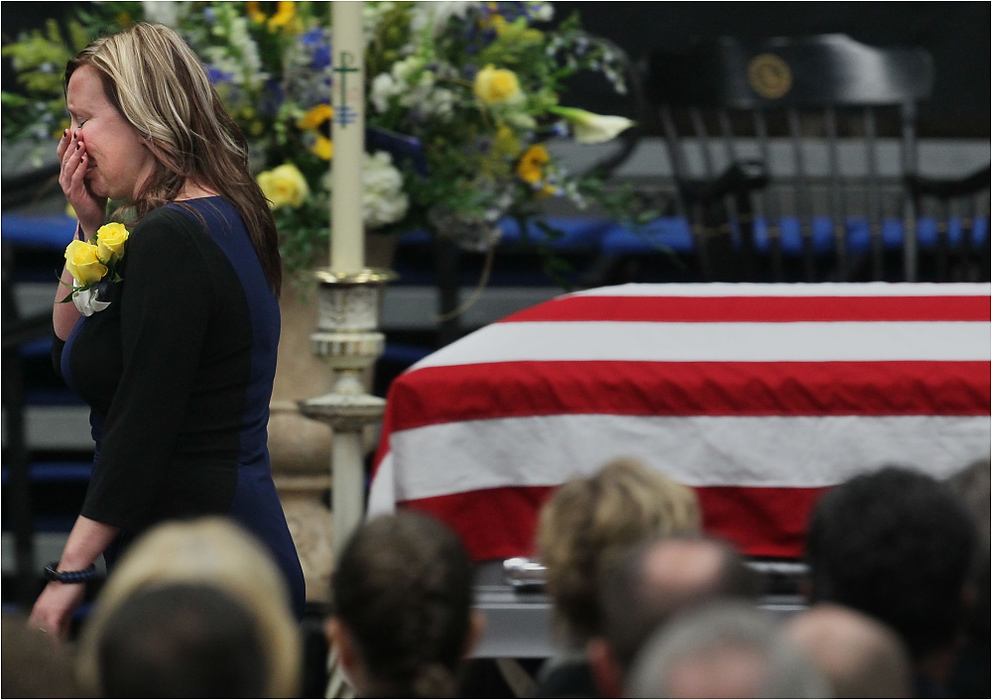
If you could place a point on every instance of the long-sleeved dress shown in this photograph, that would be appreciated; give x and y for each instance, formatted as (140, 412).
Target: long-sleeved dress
(178, 374)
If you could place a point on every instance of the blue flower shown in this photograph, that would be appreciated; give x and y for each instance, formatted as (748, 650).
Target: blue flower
(511, 10)
(322, 57)
(314, 37)
(216, 75)
(318, 44)
(272, 98)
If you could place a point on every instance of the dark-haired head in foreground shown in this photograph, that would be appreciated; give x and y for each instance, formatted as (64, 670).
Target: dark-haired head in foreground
(182, 641)
(402, 595)
(897, 545)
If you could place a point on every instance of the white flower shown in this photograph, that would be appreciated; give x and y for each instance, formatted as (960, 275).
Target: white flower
(383, 88)
(405, 70)
(86, 300)
(240, 57)
(372, 14)
(541, 11)
(433, 16)
(593, 128)
(383, 200)
(166, 13)
(441, 104)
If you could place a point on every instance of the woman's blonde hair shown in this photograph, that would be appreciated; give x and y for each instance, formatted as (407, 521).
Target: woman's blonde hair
(588, 520)
(212, 551)
(158, 85)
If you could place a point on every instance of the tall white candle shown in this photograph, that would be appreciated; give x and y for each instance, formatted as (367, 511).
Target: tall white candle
(348, 133)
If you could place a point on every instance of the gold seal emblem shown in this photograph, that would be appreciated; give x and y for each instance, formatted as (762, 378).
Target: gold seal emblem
(769, 75)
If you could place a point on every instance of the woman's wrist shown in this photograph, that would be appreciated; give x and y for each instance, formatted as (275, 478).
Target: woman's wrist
(81, 233)
(55, 572)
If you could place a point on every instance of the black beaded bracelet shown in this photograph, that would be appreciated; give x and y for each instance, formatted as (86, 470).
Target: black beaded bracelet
(52, 573)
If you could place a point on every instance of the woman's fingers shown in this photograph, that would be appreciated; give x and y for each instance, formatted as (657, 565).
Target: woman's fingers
(69, 146)
(73, 173)
(63, 144)
(72, 179)
(70, 156)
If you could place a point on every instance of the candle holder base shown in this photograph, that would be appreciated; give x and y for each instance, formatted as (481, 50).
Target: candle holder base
(345, 412)
(347, 340)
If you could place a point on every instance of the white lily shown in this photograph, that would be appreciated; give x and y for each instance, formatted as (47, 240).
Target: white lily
(593, 128)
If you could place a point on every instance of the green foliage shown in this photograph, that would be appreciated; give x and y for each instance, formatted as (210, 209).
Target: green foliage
(480, 159)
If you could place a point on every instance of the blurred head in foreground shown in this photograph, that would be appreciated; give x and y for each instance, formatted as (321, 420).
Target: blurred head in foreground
(402, 596)
(589, 521)
(722, 650)
(213, 552)
(34, 664)
(641, 591)
(860, 657)
(182, 641)
(897, 545)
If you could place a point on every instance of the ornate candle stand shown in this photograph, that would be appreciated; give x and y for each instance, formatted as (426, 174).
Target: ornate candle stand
(347, 340)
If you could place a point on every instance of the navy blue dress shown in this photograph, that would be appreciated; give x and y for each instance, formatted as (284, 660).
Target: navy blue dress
(178, 374)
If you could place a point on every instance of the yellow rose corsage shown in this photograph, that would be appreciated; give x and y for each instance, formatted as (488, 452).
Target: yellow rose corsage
(92, 264)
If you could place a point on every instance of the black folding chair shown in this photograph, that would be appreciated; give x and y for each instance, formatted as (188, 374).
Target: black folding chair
(792, 156)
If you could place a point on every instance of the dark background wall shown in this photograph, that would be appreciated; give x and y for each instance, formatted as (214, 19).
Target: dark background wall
(956, 33)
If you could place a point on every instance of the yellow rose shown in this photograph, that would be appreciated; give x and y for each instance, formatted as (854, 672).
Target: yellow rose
(497, 86)
(252, 8)
(285, 12)
(531, 166)
(110, 239)
(315, 122)
(323, 147)
(83, 263)
(284, 186)
(315, 117)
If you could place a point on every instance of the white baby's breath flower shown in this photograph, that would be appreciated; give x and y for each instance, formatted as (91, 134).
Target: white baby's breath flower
(247, 49)
(372, 14)
(406, 70)
(441, 104)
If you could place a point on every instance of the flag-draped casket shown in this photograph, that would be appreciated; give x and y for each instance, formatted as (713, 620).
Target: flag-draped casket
(758, 396)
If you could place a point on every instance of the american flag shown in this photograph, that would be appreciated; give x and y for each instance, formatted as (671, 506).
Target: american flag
(758, 396)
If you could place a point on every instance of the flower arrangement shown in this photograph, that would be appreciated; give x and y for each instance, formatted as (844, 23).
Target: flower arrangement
(93, 264)
(462, 100)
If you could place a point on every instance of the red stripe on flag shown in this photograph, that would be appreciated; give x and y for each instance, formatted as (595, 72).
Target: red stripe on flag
(501, 523)
(761, 522)
(435, 395)
(744, 309)
(493, 523)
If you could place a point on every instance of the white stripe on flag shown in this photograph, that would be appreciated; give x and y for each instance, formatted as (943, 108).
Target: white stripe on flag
(382, 496)
(824, 289)
(718, 342)
(777, 451)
